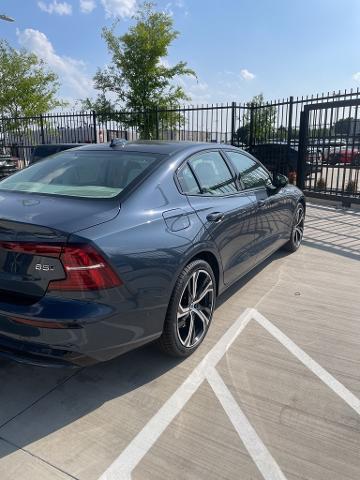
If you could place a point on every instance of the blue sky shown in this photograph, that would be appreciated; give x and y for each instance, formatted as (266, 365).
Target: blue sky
(238, 48)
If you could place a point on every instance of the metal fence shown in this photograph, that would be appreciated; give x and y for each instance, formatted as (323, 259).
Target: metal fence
(314, 140)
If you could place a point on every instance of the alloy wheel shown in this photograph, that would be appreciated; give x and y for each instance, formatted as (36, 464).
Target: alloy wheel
(298, 230)
(195, 308)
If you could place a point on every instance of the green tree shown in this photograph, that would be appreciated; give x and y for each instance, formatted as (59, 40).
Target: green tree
(263, 118)
(137, 78)
(27, 86)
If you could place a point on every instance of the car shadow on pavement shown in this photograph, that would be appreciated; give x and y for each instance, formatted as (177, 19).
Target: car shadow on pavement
(233, 289)
(36, 402)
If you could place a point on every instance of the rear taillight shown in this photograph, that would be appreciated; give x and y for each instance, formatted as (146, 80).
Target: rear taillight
(86, 269)
(45, 250)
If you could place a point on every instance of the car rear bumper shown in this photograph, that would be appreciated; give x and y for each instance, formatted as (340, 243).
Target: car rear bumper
(59, 332)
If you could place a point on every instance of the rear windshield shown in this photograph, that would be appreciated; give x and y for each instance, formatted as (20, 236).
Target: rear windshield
(91, 174)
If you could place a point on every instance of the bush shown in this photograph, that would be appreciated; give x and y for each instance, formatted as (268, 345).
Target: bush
(351, 187)
(321, 184)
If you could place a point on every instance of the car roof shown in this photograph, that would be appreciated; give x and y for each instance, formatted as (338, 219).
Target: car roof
(154, 146)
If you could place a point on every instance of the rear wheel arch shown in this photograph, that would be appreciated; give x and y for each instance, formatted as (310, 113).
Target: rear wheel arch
(211, 259)
(207, 254)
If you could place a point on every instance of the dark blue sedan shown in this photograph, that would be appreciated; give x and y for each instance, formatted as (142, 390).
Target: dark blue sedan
(104, 248)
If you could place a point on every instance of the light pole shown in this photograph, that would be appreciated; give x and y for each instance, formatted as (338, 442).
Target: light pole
(6, 18)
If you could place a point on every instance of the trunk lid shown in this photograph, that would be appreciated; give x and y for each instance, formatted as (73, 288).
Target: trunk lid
(28, 222)
(68, 214)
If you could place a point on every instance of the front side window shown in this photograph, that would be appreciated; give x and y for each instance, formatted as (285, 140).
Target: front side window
(87, 173)
(252, 174)
(213, 174)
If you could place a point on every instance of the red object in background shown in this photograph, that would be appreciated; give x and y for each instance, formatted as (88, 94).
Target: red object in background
(345, 155)
(292, 178)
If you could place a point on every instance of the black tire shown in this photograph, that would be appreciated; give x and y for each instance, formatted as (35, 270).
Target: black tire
(172, 341)
(297, 229)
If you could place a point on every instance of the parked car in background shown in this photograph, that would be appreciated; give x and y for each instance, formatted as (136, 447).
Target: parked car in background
(279, 157)
(42, 151)
(7, 164)
(342, 155)
(107, 247)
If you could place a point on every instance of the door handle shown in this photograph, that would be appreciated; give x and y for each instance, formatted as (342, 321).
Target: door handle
(215, 217)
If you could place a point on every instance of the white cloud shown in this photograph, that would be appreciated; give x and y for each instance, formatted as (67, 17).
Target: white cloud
(356, 76)
(201, 87)
(61, 8)
(168, 9)
(199, 92)
(180, 4)
(246, 75)
(87, 6)
(70, 71)
(119, 8)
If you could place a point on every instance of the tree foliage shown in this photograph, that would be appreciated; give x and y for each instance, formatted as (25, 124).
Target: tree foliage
(263, 119)
(138, 79)
(27, 86)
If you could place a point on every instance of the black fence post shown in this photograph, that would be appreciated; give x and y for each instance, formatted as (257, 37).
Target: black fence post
(3, 132)
(251, 132)
(42, 132)
(157, 123)
(303, 138)
(289, 129)
(94, 126)
(233, 122)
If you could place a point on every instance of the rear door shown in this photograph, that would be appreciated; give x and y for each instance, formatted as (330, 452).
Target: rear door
(273, 213)
(227, 213)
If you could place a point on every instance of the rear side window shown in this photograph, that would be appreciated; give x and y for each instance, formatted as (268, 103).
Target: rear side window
(91, 174)
(252, 174)
(213, 174)
(187, 181)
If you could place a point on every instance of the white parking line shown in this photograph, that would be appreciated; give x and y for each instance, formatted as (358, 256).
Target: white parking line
(122, 467)
(305, 359)
(268, 467)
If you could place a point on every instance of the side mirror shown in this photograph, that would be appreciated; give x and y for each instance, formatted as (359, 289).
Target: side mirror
(280, 181)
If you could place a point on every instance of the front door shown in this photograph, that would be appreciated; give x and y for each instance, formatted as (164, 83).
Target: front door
(272, 209)
(227, 213)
